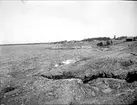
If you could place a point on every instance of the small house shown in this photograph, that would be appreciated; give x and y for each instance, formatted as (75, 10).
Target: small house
(131, 39)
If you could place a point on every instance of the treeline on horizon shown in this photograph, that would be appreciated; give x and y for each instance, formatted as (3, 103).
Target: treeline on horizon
(104, 38)
(93, 39)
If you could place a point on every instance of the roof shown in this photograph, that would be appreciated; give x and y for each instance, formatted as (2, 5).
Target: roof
(130, 37)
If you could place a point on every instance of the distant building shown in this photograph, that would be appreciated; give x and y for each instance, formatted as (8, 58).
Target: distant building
(131, 38)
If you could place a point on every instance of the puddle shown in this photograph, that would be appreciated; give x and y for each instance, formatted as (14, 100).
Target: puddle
(56, 65)
(66, 62)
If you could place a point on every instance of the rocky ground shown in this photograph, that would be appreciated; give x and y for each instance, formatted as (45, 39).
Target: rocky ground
(89, 75)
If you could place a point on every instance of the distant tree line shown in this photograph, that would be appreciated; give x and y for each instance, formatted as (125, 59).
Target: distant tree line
(106, 39)
(98, 38)
(121, 38)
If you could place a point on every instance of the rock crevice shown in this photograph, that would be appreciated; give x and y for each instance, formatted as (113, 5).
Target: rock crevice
(128, 77)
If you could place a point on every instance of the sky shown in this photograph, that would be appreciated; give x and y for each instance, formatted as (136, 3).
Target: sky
(49, 21)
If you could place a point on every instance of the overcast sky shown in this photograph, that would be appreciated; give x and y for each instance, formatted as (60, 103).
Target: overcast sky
(46, 21)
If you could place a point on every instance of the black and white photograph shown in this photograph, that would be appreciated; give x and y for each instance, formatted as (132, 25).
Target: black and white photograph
(68, 52)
